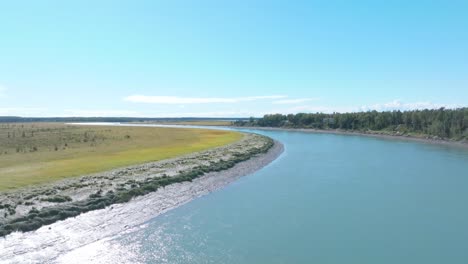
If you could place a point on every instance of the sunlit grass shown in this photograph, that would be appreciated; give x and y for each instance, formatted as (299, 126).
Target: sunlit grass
(197, 123)
(48, 152)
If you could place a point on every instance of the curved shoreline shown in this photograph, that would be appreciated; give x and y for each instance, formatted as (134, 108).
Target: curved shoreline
(444, 142)
(29, 208)
(70, 235)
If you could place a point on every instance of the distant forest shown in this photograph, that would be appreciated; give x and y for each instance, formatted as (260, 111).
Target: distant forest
(443, 123)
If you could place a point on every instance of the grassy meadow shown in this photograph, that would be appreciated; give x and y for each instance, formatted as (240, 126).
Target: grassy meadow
(195, 123)
(35, 153)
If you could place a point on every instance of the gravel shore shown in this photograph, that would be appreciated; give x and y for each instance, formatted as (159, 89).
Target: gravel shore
(59, 241)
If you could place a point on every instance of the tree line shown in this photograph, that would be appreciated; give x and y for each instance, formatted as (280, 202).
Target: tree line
(444, 123)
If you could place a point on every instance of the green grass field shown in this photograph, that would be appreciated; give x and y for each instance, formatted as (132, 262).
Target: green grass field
(196, 123)
(35, 153)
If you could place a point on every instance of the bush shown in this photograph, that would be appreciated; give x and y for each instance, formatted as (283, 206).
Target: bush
(98, 194)
(57, 199)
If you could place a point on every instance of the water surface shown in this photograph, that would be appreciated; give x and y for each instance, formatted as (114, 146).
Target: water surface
(327, 199)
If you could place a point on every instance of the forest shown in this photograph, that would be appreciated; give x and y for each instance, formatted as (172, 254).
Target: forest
(443, 123)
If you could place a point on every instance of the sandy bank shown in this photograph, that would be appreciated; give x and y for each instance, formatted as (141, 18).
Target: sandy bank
(53, 243)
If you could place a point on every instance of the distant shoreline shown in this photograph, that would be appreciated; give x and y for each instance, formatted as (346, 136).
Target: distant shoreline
(439, 141)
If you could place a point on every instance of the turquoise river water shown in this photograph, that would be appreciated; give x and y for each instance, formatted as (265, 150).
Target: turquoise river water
(327, 199)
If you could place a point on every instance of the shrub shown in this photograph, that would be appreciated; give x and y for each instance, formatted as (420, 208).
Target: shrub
(57, 199)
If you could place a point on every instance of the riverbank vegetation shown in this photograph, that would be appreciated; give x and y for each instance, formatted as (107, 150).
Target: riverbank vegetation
(36, 218)
(35, 153)
(192, 122)
(440, 123)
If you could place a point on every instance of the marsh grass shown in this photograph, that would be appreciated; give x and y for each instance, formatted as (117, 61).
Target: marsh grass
(37, 218)
(35, 153)
(196, 123)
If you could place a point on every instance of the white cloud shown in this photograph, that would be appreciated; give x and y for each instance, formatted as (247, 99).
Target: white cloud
(311, 109)
(399, 105)
(190, 107)
(389, 106)
(195, 100)
(294, 101)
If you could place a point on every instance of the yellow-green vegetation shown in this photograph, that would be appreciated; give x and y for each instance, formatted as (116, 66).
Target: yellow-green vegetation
(34, 153)
(196, 123)
(122, 189)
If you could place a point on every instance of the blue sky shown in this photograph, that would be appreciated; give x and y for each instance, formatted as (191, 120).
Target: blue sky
(230, 58)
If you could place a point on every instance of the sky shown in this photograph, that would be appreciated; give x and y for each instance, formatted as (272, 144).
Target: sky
(230, 58)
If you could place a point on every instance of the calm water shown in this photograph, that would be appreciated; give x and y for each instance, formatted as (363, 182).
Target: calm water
(328, 199)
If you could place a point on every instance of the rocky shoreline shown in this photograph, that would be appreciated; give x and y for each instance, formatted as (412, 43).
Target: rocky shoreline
(27, 209)
(51, 241)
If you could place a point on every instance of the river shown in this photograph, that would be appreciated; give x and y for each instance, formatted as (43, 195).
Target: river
(327, 199)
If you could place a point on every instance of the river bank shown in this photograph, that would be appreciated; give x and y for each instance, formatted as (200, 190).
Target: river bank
(27, 209)
(51, 241)
(427, 139)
